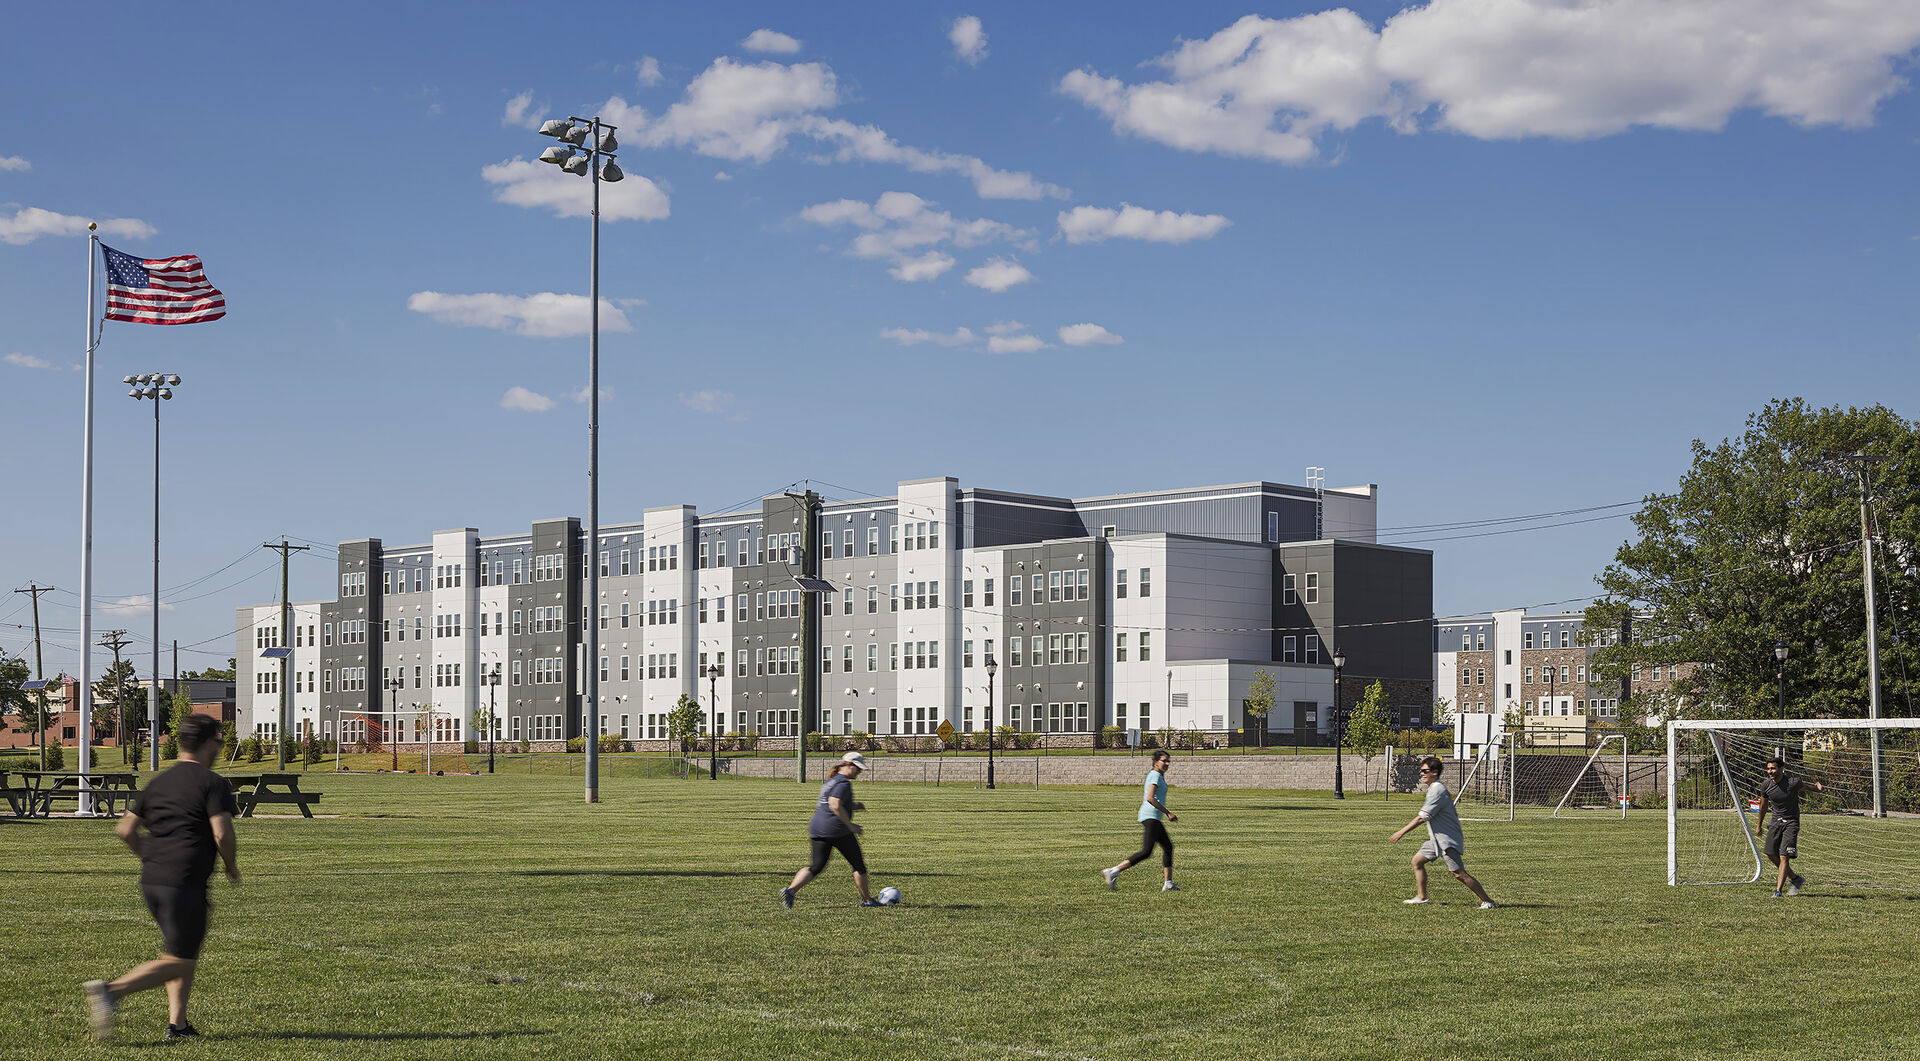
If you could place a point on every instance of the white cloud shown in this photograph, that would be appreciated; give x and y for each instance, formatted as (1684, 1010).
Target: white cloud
(772, 42)
(29, 223)
(1087, 335)
(902, 228)
(866, 143)
(708, 401)
(139, 604)
(522, 113)
(26, 361)
(926, 267)
(530, 183)
(969, 40)
(722, 175)
(1090, 224)
(1015, 344)
(522, 400)
(1502, 69)
(648, 72)
(1005, 327)
(579, 396)
(14, 164)
(999, 274)
(916, 336)
(545, 315)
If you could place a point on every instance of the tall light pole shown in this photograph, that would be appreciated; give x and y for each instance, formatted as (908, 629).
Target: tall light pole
(492, 678)
(156, 387)
(584, 142)
(394, 685)
(1340, 725)
(993, 668)
(713, 708)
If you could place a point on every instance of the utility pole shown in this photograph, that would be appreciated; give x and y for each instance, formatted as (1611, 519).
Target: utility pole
(39, 666)
(286, 550)
(809, 622)
(115, 640)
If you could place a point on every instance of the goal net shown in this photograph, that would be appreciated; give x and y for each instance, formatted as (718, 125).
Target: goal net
(1862, 830)
(1484, 792)
(1554, 772)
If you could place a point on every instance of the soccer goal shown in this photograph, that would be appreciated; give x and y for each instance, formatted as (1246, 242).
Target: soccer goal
(1599, 789)
(1485, 792)
(1862, 831)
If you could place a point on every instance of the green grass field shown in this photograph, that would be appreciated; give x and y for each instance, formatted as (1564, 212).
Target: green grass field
(486, 917)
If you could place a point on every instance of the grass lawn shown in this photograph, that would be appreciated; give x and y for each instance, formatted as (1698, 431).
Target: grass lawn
(498, 916)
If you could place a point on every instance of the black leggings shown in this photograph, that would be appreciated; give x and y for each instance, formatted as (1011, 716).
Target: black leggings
(849, 848)
(1153, 831)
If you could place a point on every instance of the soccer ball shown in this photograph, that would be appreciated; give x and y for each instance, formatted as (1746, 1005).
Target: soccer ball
(889, 896)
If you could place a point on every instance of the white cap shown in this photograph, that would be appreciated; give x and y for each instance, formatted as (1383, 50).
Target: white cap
(855, 759)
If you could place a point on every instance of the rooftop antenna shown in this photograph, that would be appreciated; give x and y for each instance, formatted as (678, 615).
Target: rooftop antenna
(1317, 482)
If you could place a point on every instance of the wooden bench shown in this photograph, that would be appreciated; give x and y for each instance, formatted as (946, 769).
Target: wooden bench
(251, 790)
(113, 792)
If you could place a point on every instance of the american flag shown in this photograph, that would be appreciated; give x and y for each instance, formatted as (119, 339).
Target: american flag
(160, 290)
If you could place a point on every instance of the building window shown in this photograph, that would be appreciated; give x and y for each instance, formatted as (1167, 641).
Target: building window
(1287, 595)
(966, 593)
(1289, 649)
(1146, 582)
(1313, 648)
(1311, 595)
(1120, 648)
(1013, 591)
(1146, 646)
(1120, 583)
(1526, 639)
(986, 594)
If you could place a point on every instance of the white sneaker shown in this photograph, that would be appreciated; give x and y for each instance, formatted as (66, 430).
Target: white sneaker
(1488, 905)
(1416, 901)
(100, 1007)
(1169, 886)
(1112, 877)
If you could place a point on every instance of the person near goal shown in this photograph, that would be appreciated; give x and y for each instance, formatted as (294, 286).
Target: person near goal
(1781, 794)
(1153, 819)
(1444, 840)
(833, 829)
(187, 812)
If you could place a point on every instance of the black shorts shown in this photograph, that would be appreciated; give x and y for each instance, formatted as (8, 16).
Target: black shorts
(1783, 838)
(848, 846)
(181, 914)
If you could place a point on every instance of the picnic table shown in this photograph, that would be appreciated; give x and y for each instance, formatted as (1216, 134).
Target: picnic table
(43, 788)
(251, 790)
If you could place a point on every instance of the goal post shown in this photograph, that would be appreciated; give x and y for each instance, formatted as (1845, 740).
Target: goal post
(1861, 829)
(1593, 789)
(1485, 791)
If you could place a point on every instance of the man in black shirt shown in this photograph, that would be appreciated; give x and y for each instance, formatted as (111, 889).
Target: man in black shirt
(1781, 792)
(188, 815)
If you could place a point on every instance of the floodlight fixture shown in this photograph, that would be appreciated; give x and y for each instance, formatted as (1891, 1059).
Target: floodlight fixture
(556, 155)
(611, 172)
(554, 127)
(577, 164)
(607, 141)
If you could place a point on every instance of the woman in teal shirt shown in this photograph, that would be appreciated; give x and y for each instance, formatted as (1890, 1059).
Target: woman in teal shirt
(1153, 829)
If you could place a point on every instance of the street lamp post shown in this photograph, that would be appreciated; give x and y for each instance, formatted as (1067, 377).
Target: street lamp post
(394, 686)
(492, 678)
(1780, 657)
(713, 708)
(156, 387)
(993, 668)
(1340, 725)
(584, 142)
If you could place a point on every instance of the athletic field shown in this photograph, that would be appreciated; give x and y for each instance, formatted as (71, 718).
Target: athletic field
(491, 917)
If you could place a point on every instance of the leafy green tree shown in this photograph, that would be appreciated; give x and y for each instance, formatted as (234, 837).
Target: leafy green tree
(1442, 711)
(683, 722)
(1259, 701)
(1367, 728)
(216, 674)
(116, 698)
(24, 706)
(1759, 542)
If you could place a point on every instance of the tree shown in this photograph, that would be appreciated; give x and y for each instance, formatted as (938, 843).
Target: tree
(1367, 726)
(1759, 543)
(116, 697)
(1442, 711)
(1259, 701)
(24, 706)
(683, 722)
(216, 674)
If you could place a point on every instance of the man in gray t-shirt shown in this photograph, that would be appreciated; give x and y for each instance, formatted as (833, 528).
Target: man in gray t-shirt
(1444, 842)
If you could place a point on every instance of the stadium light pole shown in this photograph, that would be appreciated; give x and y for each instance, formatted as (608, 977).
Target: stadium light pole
(993, 668)
(156, 387)
(584, 142)
(1339, 724)
(713, 708)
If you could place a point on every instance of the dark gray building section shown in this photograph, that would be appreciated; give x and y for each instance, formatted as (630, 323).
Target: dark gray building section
(550, 537)
(1374, 601)
(765, 695)
(362, 557)
(991, 518)
(1205, 512)
(1047, 683)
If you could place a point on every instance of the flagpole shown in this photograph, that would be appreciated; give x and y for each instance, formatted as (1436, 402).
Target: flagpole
(86, 549)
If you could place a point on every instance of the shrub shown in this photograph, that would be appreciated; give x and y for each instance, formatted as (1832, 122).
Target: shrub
(472, 746)
(859, 740)
(525, 746)
(576, 744)
(169, 748)
(612, 743)
(226, 733)
(1113, 737)
(312, 755)
(1193, 740)
(56, 757)
(254, 752)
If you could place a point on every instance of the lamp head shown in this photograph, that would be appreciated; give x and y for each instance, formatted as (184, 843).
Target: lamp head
(129, 380)
(607, 141)
(1339, 659)
(577, 164)
(993, 668)
(556, 155)
(573, 133)
(611, 172)
(1780, 651)
(555, 127)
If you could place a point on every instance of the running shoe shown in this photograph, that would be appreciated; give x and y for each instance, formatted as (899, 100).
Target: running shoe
(1112, 877)
(1170, 887)
(184, 1031)
(1488, 905)
(870, 902)
(1416, 901)
(1776, 893)
(1794, 885)
(101, 1005)
(786, 898)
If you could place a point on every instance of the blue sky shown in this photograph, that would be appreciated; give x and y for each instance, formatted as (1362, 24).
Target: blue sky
(1501, 257)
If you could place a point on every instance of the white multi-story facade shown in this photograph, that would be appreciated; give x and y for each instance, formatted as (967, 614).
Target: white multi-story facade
(1139, 610)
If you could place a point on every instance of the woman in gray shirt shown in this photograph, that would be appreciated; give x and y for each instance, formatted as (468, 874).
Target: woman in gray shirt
(833, 829)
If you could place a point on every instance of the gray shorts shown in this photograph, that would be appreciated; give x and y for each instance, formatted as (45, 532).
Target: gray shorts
(1452, 856)
(1783, 838)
